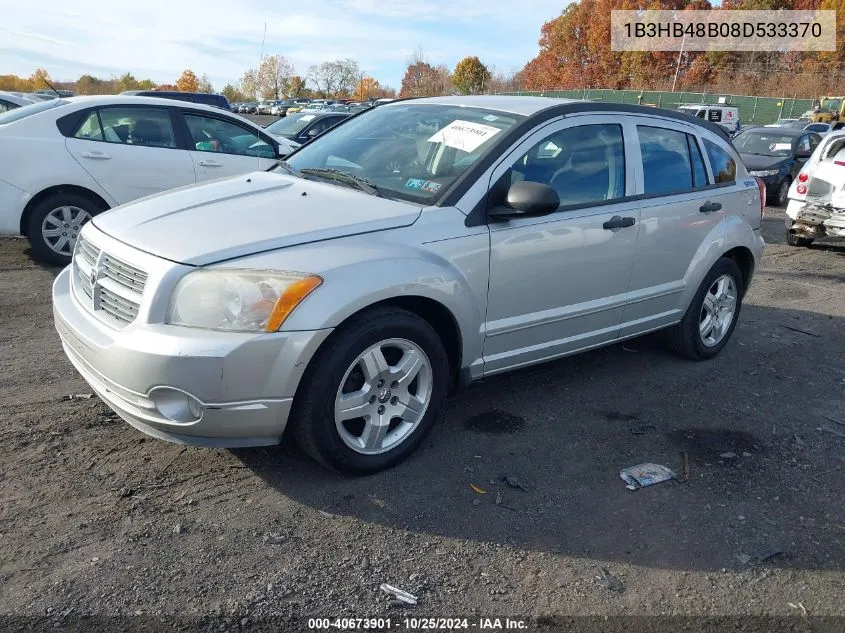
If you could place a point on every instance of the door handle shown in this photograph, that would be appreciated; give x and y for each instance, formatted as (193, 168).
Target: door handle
(210, 163)
(709, 207)
(618, 222)
(96, 155)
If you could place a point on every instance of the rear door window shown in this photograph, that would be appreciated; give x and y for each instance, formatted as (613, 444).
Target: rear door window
(672, 162)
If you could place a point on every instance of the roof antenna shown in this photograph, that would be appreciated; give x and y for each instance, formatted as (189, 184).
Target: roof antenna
(50, 86)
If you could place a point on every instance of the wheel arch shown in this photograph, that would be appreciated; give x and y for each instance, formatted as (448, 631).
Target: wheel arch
(744, 258)
(435, 313)
(49, 191)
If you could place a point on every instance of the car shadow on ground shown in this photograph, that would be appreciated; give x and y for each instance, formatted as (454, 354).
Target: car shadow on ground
(764, 482)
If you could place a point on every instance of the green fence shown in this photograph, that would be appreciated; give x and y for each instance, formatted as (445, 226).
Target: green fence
(752, 110)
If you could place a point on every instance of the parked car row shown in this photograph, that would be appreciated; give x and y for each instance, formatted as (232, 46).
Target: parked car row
(13, 100)
(416, 246)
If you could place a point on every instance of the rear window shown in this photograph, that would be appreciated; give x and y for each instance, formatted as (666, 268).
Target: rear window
(28, 110)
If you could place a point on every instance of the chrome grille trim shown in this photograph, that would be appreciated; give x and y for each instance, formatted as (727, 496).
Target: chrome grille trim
(117, 287)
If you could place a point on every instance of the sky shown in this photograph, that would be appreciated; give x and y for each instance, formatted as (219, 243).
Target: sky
(158, 39)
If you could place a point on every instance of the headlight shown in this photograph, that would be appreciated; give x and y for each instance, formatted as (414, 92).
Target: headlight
(238, 300)
(764, 172)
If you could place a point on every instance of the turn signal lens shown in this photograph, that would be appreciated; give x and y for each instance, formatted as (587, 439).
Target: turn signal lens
(289, 299)
(802, 189)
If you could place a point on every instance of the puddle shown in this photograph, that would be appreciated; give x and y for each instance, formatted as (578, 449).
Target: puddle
(495, 422)
(709, 444)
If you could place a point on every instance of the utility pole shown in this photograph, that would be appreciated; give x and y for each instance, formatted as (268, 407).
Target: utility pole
(678, 67)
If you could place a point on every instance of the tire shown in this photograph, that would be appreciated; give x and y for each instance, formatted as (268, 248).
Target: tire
(686, 338)
(336, 370)
(79, 208)
(794, 240)
(782, 196)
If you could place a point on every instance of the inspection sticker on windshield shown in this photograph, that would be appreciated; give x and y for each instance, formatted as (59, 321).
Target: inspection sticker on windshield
(464, 135)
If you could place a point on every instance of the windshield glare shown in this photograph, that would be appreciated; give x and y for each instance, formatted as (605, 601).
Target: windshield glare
(764, 144)
(410, 151)
(28, 110)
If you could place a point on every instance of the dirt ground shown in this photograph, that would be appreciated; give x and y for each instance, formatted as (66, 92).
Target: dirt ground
(98, 520)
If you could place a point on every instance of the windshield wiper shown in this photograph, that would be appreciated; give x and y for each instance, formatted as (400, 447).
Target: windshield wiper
(287, 167)
(343, 177)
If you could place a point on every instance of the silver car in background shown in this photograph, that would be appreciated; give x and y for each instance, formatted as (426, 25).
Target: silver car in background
(417, 247)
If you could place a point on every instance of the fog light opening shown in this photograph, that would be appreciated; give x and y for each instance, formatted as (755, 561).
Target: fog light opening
(176, 406)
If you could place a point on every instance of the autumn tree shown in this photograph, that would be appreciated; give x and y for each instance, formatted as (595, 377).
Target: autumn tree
(296, 86)
(233, 94)
(249, 83)
(204, 85)
(422, 79)
(40, 79)
(168, 87)
(273, 75)
(470, 76)
(367, 87)
(187, 81)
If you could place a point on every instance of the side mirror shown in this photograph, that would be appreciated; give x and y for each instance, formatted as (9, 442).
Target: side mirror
(804, 153)
(527, 198)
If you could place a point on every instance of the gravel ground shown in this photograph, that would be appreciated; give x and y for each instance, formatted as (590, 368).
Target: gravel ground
(98, 520)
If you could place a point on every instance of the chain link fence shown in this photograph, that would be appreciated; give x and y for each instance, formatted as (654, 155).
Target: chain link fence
(752, 110)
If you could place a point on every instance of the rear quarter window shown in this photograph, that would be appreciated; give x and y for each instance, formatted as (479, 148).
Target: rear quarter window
(721, 163)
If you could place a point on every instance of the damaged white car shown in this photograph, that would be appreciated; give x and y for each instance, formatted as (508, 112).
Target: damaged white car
(816, 207)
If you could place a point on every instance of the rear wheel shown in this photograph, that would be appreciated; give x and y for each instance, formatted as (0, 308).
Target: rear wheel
(795, 240)
(54, 225)
(372, 393)
(712, 315)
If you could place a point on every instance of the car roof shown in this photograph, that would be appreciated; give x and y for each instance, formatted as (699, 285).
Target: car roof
(547, 107)
(783, 131)
(103, 100)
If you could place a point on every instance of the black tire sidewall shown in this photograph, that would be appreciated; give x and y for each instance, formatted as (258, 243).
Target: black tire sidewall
(40, 249)
(328, 369)
(721, 267)
(783, 188)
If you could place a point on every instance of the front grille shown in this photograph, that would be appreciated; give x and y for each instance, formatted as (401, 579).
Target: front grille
(107, 284)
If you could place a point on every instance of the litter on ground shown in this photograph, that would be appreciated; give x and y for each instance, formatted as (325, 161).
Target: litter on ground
(644, 475)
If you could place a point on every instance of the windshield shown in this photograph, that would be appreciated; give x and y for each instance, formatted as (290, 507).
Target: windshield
(831, 105)
(410, 151)
(291, 125)
(765, 144)
(27, 110)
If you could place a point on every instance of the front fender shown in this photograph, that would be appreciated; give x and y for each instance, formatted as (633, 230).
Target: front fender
(365, 270)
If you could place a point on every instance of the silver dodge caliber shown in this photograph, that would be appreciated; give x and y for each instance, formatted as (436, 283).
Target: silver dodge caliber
(414, 248)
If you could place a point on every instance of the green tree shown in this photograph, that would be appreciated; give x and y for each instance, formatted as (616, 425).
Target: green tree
(88, 85)
(470, 76)
(204, 85)
(233, 94)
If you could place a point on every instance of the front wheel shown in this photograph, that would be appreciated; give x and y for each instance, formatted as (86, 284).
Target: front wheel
(372, 393)
(782, 196)
(712, 315)
(54, 225)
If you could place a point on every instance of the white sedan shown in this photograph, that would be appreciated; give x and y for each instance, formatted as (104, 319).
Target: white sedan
(66, 160)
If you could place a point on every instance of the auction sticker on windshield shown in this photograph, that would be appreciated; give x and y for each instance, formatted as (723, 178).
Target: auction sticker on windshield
(464, 135)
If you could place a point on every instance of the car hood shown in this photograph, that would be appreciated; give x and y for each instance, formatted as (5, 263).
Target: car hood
(754, 162)
(247, 214)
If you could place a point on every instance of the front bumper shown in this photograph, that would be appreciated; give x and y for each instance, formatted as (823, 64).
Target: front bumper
(244, 383)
